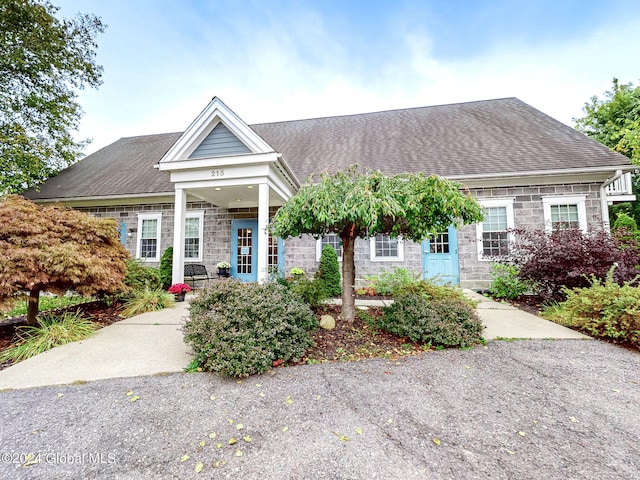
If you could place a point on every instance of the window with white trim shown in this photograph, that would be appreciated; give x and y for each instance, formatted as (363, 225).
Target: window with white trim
(385, 248)
(193, 226)
(493, 235)
(331, 239)
(567, 211)
(148, 245)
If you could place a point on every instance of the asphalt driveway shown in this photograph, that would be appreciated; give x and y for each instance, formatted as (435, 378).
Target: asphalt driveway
(536, 409)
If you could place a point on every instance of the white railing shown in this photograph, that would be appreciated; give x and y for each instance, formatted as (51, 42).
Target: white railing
(621, 186)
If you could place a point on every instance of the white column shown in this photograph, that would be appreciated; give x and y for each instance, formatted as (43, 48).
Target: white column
(263, 238)
(177, 273)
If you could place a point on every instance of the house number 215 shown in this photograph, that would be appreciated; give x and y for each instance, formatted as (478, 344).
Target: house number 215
(217, 173)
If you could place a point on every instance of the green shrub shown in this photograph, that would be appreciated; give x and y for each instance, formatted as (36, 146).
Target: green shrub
(329, 271)
(625, 221)
(166, 268)
(239, 329)
(429, 289)
(140, 277)
(447, 322)
(603, 310)
(309, 291)
(147, 300)
(505, 281)
(389, 282)
(52, 330)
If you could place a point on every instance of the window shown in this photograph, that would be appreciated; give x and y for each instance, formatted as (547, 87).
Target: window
(331, 239)
(148, 246)
(565, 212)
(439, 243)
(193, 236)
(386, 249)
(493, 237)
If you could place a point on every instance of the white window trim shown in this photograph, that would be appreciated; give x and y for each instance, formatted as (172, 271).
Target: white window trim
(501, 202)
(141, 218)
(374, 258)
(200, 216)
(579, 200)
(319, 249)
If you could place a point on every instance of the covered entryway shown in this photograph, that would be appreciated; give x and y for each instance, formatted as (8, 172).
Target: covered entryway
(440, 257)
(221, 160)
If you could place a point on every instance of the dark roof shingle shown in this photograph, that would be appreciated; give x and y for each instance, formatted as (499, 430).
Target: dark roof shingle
(478, 138)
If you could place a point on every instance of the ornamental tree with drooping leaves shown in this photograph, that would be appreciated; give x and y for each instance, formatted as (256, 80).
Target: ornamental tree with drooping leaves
(55, 249)
(353, 204)
(43, 61)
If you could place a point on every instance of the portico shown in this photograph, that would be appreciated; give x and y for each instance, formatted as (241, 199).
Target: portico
(220, 160)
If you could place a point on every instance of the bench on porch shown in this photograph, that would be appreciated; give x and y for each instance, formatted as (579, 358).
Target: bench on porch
(194, 272)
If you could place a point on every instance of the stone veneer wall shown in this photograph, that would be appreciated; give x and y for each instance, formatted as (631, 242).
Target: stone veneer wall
(527, 211)
(301, 252)
(216, 229)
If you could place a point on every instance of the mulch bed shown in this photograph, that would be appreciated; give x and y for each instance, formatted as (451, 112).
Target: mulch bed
(97, 311)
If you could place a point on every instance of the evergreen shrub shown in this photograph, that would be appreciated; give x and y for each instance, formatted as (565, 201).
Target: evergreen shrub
(329, 271)
(239, 329)
(447, 322)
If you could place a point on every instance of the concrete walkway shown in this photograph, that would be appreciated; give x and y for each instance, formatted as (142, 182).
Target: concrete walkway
(152, 344)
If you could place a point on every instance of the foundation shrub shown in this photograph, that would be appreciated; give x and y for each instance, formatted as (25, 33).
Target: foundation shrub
(446, 322)
(604, 309)
(239, 329)
(140, 276)
(389, 282)
(506, 283)
(166, 267)
(568, 258)
(431, 290)
(329, 271)
(310, 291)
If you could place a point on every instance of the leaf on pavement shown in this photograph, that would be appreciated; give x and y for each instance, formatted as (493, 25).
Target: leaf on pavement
(184, 458)
(436, 441)
(232, 441)
(359, 431)
(247, 438)
(199, 467)
(522, 434)
(202, 443)
(285, 429)
(289, 401)
(135, 398)
(344, 438)
(239, 426)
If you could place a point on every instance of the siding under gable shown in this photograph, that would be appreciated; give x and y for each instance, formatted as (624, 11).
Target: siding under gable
(219, 143)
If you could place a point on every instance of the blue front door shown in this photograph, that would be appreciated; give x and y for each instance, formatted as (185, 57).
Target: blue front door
(440, 257)
(244, 251)
(244, 258)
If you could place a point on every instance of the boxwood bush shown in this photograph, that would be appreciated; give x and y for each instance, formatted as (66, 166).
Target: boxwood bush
(447, 322)
(239, 329)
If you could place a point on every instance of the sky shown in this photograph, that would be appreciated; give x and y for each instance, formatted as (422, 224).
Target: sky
(281, 60)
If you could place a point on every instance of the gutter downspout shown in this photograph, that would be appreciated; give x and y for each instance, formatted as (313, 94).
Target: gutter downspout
(604, 204)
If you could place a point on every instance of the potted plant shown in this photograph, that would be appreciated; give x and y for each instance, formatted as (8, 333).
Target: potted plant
(179, 290)
(297, 272)
(223, 269)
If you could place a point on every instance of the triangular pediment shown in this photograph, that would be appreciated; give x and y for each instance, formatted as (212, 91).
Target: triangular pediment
(216, 132)
(219, 143)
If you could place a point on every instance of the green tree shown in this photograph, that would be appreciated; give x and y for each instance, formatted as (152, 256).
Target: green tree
(166, 267)
(57, 249)
(352, 204)
(614, 121)
(329, 271)
(43, 60)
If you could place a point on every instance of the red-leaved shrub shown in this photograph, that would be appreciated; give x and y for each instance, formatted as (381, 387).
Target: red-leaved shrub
(569, 257)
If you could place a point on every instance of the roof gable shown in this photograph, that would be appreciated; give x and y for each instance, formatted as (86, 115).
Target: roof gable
(220, 142)
(205, 136)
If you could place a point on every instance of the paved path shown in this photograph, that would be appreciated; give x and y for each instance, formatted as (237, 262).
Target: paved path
(152, 343)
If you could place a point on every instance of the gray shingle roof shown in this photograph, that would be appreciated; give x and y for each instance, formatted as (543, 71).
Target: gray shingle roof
(486, 137)
(465, 139)
(122, 168)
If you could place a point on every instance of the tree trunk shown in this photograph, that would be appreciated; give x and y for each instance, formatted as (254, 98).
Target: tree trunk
(348, 279)
(33, 305)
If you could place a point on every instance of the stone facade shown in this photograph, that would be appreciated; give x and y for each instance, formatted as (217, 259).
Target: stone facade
(527, 212)
(302, 252)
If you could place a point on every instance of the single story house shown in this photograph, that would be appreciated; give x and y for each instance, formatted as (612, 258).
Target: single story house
(209, 191)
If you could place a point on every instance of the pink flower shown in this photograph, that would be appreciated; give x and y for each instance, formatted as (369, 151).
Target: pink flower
(179, 288)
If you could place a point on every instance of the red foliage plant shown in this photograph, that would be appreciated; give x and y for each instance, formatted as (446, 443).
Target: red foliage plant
(56, 249)
(569, 258)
